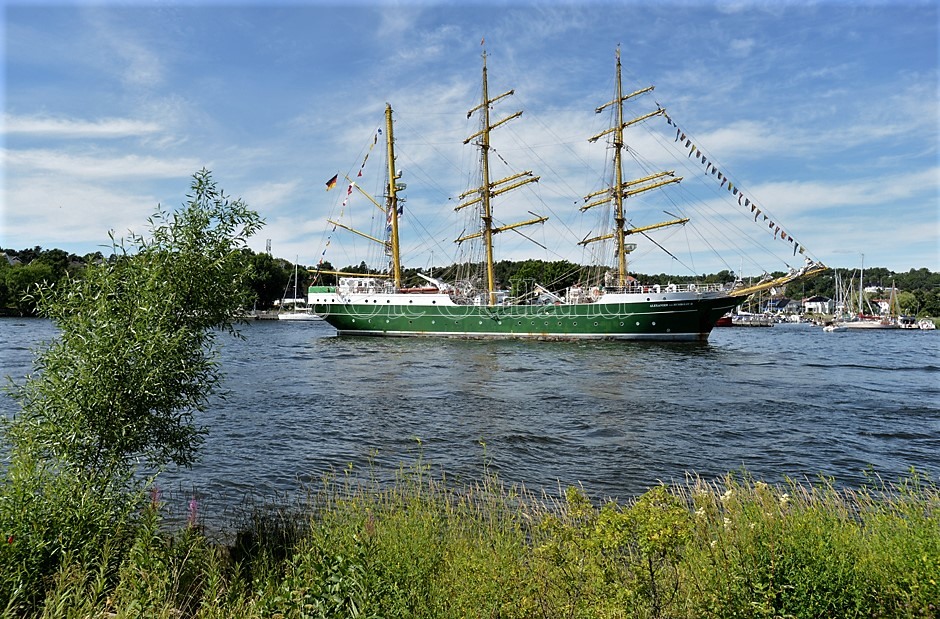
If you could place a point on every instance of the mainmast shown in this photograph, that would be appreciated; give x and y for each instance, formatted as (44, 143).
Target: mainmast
(487, 190)
(620, 189)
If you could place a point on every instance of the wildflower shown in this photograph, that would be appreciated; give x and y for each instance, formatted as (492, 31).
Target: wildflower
(760, 486)
(713, 543)
(9, 539)
(727, 495)
(191, 521)
(727, 522)
(700, 512)
(784, 499)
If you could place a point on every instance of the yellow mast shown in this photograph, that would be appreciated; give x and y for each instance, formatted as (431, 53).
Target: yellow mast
(390, 209)
(619, 219)
(487, 190)
(392, 202)
(621, 189)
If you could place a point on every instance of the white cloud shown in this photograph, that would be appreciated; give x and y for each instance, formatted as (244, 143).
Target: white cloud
(59, 127)
(33, 162)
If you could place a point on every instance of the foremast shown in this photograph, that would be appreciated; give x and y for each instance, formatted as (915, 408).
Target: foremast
(391, 210)
(489, 189)
(391, 202)
(620, 189)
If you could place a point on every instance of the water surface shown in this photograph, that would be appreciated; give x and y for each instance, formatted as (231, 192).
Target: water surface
(787, 401)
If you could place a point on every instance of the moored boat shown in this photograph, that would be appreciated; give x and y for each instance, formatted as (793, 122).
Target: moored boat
(297, 308)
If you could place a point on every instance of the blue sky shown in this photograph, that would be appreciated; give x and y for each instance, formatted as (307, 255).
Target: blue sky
(825, 113)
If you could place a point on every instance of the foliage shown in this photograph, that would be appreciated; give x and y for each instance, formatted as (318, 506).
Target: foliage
(269, 278)
(19, 281)
(422, 547)
(132, 364)
(51, 520)
(118, 389)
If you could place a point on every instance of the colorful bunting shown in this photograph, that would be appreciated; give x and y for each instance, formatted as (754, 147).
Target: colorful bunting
(742, 199)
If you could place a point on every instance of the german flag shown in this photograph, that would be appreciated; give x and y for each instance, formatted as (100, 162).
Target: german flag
(332, 182)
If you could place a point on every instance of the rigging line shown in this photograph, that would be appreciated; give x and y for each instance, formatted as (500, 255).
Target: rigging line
(748, 234)
(568, 147)
(749, 194)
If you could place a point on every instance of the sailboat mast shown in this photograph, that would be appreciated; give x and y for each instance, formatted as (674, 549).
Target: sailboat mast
(392, 205)
(487, 215)
(619, 218)
(861, 288)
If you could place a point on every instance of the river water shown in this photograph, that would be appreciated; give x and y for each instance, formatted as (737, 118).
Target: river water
(616, 418)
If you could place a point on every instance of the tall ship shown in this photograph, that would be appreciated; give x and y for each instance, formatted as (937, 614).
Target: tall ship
(606, 303)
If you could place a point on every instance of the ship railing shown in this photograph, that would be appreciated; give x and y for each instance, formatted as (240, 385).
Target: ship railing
(638, 288)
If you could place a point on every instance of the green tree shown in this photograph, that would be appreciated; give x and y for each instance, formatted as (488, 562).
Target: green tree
(908, 303)
(20, 280)
(269, 277)
(134, 359)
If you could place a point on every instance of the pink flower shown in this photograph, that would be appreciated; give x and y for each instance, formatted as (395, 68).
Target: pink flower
(192, 512)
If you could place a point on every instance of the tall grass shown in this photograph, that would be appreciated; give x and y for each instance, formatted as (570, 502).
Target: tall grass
(422, 547)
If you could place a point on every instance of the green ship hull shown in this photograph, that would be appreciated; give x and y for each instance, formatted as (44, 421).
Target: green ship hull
(678, 320)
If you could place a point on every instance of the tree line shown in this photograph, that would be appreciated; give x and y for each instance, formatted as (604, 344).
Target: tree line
(272, 278)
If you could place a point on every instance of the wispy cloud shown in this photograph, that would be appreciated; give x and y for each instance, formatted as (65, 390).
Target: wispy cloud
(96, 165)
(60, 127)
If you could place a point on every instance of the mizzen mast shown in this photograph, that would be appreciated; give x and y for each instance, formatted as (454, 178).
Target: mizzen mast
(489, 189)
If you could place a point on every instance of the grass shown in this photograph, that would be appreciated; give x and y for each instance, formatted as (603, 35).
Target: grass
(421, 547)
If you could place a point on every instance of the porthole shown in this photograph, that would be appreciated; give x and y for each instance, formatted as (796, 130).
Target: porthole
(638, 323)
(595, 324)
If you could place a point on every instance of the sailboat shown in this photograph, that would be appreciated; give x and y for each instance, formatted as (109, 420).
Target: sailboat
(615, 306)
(296, 311)
(870, 320)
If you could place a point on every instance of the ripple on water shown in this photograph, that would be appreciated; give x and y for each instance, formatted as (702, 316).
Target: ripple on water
(613, 417)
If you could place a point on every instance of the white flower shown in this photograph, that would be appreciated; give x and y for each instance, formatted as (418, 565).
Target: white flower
(784, 499)
(727, 495)
(700, 512)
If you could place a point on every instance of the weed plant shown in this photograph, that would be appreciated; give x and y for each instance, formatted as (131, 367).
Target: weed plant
(422, 547)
